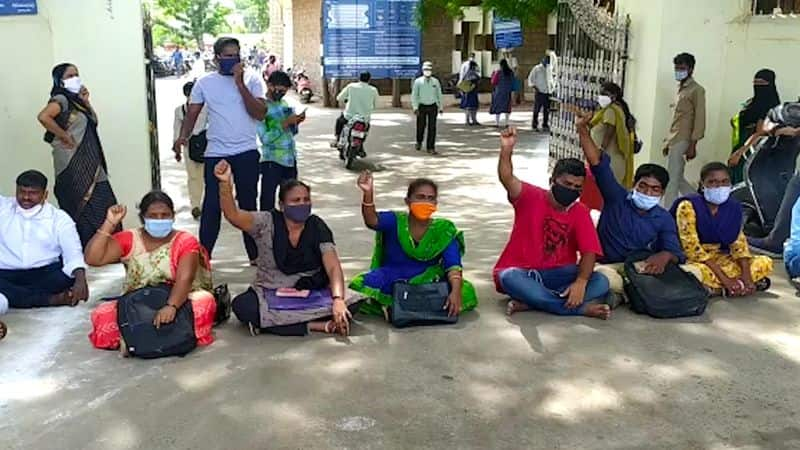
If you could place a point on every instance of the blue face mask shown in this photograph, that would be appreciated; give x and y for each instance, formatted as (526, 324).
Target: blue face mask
(226, 65)
(643, 201)
(297, 213)
(681, 75)
(717, 195)
(158, 228)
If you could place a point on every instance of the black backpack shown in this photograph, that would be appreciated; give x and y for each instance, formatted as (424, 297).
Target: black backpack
(135, 313)
(421, 304)
(674, 293)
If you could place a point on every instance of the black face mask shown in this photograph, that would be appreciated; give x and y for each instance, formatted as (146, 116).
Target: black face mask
(277, 95)
(564, 195)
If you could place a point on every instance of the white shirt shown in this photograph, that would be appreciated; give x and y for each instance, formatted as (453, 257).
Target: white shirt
(37, 241)
(231, 129)
(541, 79)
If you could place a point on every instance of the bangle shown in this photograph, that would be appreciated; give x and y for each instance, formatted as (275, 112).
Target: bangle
(367, 204)
(337, 297)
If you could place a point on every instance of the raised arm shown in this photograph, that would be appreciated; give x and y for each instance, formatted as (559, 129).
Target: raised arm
(368, 211)
(256, 107)
(505, 168)
(590, 149)
(242, 220)
(102, 249)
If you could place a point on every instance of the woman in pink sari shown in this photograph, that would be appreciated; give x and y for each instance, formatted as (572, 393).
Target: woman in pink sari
(153, 255)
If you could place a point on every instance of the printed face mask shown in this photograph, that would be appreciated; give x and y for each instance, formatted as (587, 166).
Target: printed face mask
(297, 213)
(158, 228)
(422, 210)
(73, 84)
(564, 195)
(717, 195)
(643, 201)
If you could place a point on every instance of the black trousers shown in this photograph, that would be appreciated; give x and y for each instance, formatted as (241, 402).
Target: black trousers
(32, 288)
(340, 123)
(272, 176)
(245, 306)
(542, 102)
(426, 118)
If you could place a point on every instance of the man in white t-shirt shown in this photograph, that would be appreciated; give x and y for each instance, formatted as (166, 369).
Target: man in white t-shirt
(236, 104)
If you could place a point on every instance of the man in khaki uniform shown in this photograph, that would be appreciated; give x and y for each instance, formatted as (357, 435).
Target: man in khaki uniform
(688, 127)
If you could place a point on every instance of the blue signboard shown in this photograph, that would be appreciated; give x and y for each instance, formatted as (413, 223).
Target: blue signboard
(378, 36)
(17, 7)
(507, 33)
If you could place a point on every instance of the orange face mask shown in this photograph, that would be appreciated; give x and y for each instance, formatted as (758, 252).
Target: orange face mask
(422, 210)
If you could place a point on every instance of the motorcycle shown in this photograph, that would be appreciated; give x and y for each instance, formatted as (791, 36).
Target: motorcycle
(351, 140)
(302, 85)
(767, 173)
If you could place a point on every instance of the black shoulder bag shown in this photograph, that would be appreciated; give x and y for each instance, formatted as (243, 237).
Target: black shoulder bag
(420, 304)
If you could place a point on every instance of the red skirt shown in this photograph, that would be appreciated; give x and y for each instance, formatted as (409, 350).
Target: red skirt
(105, 331)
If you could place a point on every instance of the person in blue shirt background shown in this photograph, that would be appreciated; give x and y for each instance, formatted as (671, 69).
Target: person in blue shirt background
(276, 133)
(631, 221)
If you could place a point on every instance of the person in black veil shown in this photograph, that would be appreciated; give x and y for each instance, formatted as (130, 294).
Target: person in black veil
(82, 186)
(748, 123)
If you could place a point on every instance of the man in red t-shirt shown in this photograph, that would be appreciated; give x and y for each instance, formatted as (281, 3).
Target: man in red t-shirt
(539, 267)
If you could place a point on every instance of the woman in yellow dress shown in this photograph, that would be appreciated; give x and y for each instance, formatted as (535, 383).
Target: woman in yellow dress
(710, 231)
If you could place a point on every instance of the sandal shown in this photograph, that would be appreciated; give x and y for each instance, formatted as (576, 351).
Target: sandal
(254, 330)
(3, 330)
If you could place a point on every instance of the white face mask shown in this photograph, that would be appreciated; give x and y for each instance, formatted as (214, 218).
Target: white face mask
(603, 100)
(681, 75)
(28, 213)
(73, 84)
(427, 73)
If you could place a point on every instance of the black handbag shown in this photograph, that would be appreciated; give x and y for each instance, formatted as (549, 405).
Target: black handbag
(135, 313)
(197, 147)
(672, 294)
(222, 296)
(421, 304)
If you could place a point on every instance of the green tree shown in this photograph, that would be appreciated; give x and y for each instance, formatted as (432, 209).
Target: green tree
(256, 14)
(527, 11)
(191, 19)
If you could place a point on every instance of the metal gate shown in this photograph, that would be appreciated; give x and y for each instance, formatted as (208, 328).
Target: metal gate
(150, 79)
(592, 48)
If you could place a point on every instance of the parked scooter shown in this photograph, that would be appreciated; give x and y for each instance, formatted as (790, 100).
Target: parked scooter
(351, 140)
(302, 85)
(768, 171)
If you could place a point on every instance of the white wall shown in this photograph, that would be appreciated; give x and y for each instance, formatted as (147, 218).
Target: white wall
(730, 46)
(108, 49)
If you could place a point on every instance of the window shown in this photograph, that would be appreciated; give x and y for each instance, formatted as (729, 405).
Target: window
(767, 7)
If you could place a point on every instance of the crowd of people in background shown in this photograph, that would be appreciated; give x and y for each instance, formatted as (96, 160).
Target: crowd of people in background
(237, 134)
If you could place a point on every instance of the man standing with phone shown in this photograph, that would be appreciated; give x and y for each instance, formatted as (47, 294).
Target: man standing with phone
(235, 103)
(276, 132)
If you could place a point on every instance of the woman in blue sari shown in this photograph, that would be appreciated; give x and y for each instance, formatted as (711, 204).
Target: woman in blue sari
(414, 247)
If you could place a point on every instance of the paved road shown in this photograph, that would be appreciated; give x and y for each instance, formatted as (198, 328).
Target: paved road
(728, 379)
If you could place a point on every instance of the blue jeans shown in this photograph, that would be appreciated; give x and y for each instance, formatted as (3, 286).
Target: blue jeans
(245, 176)
(791, 258)
(540, 289)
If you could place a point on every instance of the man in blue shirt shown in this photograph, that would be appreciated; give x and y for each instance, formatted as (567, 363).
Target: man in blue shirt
(631, 221)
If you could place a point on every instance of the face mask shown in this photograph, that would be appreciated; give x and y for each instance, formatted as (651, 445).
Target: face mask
(422, 210)
(603, 100)
(717, 195)
(226, 65)
(564, 196)
(427, 73)
(297, 213)
(28, 213)
(158, 228)
(277, 96)
(681, 75)
(73, 84)
(643, 201)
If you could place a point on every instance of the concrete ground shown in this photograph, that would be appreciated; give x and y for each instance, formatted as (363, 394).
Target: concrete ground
(728, 379)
